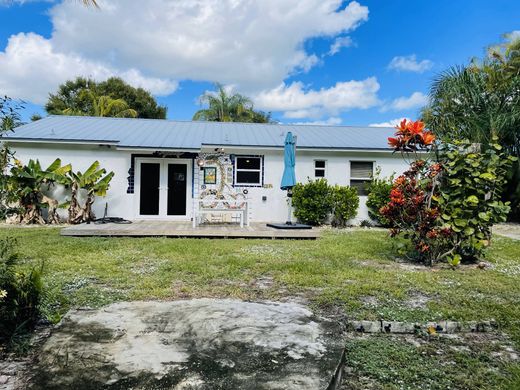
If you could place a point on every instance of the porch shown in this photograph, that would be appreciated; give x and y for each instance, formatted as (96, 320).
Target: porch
(185, 229)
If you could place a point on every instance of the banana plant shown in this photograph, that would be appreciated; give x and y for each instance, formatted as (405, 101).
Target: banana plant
(29, 180)
(95, 182)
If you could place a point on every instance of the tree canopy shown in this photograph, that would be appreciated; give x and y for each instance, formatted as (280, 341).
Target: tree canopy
(84, 96)
(226, 107)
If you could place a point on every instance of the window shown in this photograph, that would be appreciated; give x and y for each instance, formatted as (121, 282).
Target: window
(361, 172)
(248, 171)
(319, 168)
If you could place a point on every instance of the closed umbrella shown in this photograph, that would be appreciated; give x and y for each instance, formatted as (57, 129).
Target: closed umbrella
(289, 175)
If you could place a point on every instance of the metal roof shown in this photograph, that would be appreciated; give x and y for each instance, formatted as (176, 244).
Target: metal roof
(186, 135)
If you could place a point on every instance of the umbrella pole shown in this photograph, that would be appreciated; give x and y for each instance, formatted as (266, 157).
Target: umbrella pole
(289, 215)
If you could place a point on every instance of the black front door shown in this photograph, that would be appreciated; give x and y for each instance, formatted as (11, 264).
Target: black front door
(149, 192)
(176, 189)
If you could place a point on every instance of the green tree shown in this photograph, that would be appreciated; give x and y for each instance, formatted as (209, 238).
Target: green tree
(9, 119)
(226, 107)
(480, 101)
(76, 97)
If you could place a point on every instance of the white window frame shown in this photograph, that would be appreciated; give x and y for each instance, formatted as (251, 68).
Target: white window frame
(260, 171)
(324, 169)
(360, 178)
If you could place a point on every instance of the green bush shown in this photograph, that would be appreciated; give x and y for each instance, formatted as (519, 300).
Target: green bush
(20, 294)
(378, 196)
(312, 201)
(345, 202)
(471, 189)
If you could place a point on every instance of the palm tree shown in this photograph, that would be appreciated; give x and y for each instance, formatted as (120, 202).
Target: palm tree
(103, 106)
(225, 107)
(480, 100)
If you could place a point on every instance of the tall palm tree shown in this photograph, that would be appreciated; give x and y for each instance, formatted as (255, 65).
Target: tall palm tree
(225, 107)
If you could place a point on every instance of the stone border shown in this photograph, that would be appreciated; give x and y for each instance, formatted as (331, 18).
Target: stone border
(441, 327)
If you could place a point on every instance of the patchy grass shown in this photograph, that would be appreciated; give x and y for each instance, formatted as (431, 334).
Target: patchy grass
(473, 361)
(353, 270)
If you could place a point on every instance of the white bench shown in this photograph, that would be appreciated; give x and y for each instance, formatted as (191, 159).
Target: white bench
(232, 207)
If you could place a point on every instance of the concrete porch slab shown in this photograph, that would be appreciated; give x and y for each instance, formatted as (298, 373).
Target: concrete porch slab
(192, 344)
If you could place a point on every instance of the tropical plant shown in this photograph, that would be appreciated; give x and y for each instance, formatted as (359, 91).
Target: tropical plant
(226, 107)
(83, 97)
(96, 182)
(29, 181)
(446, 208)
(481, 101)
(20, 293)
(378, 190)
(471, 189)
(312, 201)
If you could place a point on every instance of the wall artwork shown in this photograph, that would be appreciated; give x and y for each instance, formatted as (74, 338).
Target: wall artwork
(210, 175)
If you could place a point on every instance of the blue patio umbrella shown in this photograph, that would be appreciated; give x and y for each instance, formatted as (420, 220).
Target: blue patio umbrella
(289, 175)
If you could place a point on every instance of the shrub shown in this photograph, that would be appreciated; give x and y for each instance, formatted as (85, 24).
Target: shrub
(312, 201)
(345, 202)
(378, 196)
(20, 294)
(471, 188)
(446, 208)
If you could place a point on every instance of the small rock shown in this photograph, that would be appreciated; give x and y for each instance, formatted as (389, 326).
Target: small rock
(4, 379)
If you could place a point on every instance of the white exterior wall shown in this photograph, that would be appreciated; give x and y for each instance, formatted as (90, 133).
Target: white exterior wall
(120, 203)
(273, 209)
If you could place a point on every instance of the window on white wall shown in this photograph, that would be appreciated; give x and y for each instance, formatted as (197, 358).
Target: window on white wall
(320, 168)
(361, 173)
(248, 171)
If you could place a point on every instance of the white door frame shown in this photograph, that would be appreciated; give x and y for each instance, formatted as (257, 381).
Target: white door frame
(163, 188)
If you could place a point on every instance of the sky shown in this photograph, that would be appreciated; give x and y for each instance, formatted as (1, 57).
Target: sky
(366, 62)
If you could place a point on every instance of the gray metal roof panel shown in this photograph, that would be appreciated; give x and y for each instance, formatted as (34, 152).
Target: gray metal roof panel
(157, 133)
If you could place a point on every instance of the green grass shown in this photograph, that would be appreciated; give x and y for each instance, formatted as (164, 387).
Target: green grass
(354, 270)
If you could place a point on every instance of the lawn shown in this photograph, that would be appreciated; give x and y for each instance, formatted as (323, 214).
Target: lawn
(350, 271)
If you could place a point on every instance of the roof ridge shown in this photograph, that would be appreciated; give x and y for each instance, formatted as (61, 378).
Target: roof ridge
(89, 117)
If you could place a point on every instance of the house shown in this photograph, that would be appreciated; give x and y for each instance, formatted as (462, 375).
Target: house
(162, 167)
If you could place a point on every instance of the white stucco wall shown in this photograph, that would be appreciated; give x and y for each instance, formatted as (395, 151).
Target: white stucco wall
(274, 208)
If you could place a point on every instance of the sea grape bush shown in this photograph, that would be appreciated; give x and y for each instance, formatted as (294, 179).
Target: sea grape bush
(446, 206)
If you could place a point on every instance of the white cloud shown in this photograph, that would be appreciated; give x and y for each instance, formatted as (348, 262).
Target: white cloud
(390, 123)
(253, 44)
(339, 43)
(410, 64)
(513, 35)
(415, 100)
(31, 68)
(297, 102)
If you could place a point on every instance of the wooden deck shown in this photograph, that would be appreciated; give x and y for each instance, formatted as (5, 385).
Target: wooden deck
(185, 229)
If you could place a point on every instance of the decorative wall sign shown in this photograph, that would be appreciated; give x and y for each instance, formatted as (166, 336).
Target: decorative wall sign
(210, 175)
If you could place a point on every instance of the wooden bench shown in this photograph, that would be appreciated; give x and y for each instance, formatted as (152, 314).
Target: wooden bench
(223, 206)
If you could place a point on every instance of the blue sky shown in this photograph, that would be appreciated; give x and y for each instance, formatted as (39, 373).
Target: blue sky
(323, 61)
